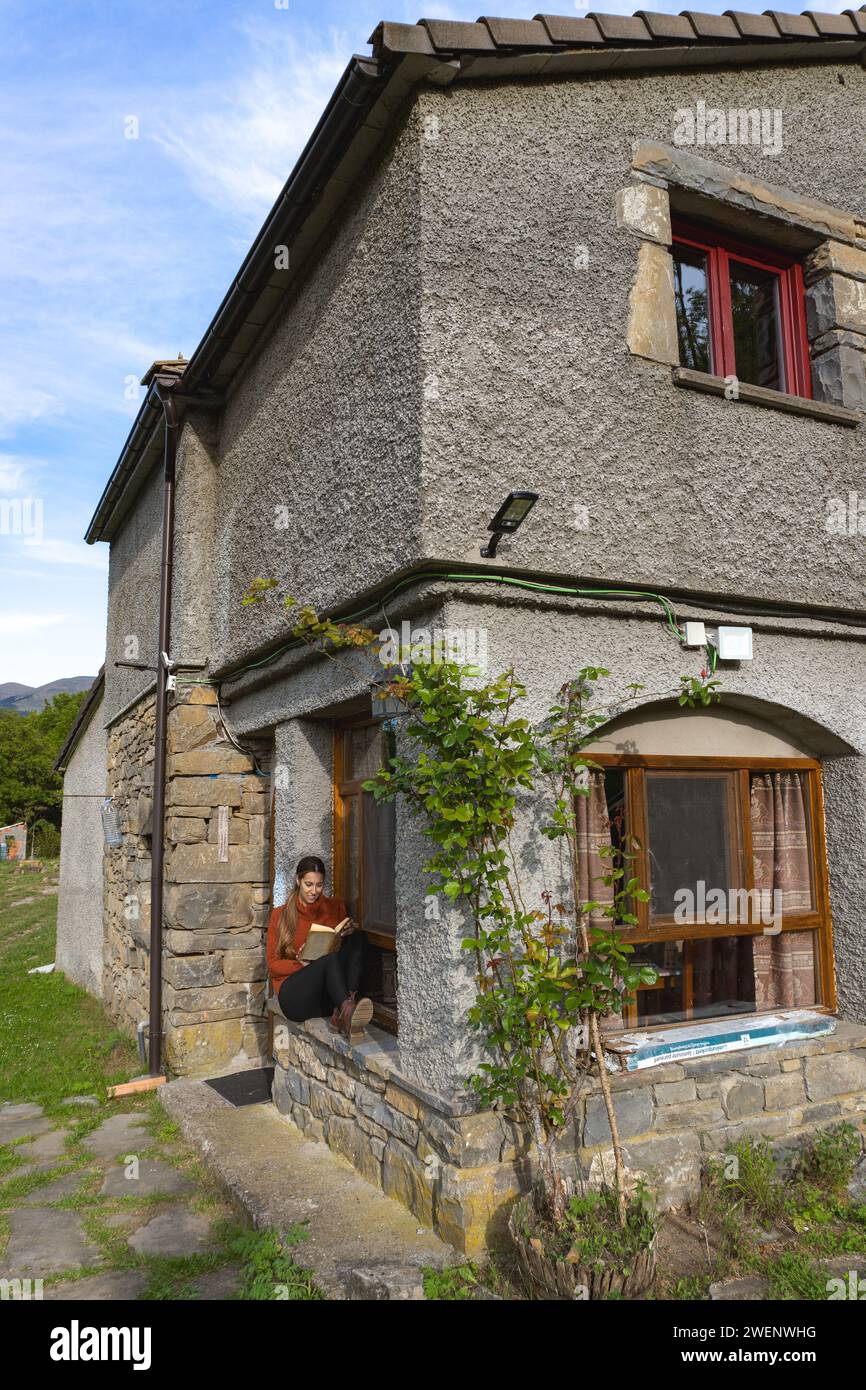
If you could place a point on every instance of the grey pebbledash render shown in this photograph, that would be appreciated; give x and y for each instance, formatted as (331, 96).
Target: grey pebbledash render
(472, 283)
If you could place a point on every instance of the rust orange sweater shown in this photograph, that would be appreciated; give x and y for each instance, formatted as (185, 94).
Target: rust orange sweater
(328, 911)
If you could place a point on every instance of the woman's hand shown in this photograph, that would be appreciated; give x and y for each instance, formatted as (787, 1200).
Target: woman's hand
(349, 929)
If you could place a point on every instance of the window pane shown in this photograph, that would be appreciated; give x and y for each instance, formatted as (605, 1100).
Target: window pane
(755, 310)
(694, 842)
(351, 850)
(693, 322)
(726, 975)
(380, 908)
(365, 752)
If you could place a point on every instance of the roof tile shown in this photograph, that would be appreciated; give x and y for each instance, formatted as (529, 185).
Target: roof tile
(793, 26)
(448, 35)
(712, 26)
(754, 26)
(400, 38)
(575, 32)
(620, 28)
(832, 25)
(668, 26)
(516, 33)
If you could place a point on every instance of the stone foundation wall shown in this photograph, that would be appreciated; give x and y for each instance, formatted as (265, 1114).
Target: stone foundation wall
(458, 1170)
(215, 905)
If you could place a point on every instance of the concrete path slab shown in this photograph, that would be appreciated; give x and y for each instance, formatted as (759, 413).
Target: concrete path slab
(176, 1231)
(80, 1100)
(117, 1136)
(52, 1144)
(17, 1121)
(219, 1283)
(65, 1186)
(120, 1287)
(44, 1241)
(282, 1179)
(154, 1176)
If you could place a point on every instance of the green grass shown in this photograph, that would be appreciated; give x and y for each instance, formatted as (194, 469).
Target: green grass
(808, 1209)
(268, 1271)
(449, 1285)
(55, 1039)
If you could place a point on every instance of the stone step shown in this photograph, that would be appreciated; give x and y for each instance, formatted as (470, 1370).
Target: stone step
(361, 1244)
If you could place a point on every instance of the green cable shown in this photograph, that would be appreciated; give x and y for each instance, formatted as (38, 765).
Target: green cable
(487, 578)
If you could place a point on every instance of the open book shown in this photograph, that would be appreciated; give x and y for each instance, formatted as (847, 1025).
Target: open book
(322, 940)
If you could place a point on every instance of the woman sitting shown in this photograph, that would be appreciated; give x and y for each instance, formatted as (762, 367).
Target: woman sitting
(329, 985)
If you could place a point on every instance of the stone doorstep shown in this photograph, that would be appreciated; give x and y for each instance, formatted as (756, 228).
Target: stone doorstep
(280, 1179)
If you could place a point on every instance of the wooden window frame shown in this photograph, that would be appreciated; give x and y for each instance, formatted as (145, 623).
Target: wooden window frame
(653, 930)
(720, 249)
(346, 788)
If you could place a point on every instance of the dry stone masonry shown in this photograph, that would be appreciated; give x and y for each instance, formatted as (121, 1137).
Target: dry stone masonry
(216, 897)
(458, 1169)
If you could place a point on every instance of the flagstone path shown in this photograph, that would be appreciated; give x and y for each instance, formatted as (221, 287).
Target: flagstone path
(109, 1214)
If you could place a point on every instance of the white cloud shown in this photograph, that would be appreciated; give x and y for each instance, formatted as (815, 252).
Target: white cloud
(24, 405)
(14, 474)
(50, 552)
(19, 623)
(238, 144)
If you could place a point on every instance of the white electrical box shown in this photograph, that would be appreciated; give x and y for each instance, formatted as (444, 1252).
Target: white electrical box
(696, 635)
(735, 644)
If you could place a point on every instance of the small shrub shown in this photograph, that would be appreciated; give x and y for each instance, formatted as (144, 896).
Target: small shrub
(449, 1285)
(269, 1272)
(756, 1183)
(591, 1234)
(831, 1157)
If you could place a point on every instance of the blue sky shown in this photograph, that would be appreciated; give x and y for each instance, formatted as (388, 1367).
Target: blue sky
(117, 250)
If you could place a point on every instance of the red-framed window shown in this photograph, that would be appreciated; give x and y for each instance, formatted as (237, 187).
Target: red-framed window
(740, 310)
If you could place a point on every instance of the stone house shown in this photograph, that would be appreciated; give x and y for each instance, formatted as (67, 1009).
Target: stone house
(617, 262)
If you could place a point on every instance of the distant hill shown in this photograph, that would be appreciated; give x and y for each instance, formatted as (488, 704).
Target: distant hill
(28, 699)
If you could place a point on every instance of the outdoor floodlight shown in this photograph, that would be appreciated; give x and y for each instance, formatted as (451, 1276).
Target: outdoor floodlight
(510, 516)
(735, 644)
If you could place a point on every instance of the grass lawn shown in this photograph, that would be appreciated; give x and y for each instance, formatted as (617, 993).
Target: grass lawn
(55, 1039)
(56, 1042)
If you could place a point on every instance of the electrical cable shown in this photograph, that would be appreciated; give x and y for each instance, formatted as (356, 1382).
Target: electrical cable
(487, 578)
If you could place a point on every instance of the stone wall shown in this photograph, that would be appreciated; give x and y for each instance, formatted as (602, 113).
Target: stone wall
(458, 1169)
(216, 902)
(126, 938)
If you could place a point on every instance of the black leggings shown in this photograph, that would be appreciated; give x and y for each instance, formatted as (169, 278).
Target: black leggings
(318, 988)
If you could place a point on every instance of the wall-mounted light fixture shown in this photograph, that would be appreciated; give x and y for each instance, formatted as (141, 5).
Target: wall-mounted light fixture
(385, 705)
(511, 515)
(735, 644)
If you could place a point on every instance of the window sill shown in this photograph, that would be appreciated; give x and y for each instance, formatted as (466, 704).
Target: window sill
(761, 395)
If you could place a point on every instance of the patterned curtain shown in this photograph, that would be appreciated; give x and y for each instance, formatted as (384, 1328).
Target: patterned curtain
(784, 964)
(593, 833)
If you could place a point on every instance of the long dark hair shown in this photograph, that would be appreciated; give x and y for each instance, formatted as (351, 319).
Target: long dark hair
(310, 864)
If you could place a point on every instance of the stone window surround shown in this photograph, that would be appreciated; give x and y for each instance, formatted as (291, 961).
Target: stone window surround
(831, 241)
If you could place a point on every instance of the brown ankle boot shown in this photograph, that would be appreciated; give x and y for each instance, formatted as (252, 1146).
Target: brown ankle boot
(355, 1014)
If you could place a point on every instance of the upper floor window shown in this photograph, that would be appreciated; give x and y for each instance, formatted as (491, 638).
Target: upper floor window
(740, 310)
